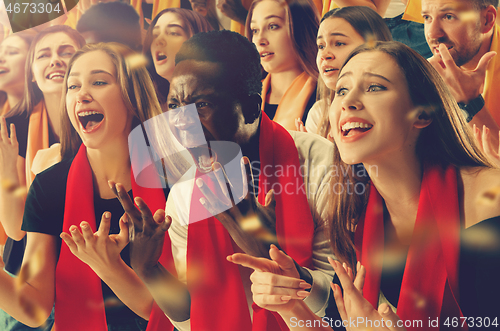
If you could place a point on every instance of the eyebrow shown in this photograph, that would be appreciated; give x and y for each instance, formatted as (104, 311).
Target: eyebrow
(365, 74)
(61, 46)
(171, 25)
(333, 34)
(269, 17)
(93, 72)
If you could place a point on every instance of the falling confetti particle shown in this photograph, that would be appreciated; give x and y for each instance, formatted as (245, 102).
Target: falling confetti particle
(136, 61)
(489, 197)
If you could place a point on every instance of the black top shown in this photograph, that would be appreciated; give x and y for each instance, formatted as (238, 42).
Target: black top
(270, 109)
(479, 269)
(44, 213)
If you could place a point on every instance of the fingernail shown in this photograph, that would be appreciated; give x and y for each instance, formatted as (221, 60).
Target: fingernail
(305, 285)
(72, 228)
(107, 215)
(302, 294)
(203, 201)
(199, 182)
(386, 311)
(84, 225)
(286, 298)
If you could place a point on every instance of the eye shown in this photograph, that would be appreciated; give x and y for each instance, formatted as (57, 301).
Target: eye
(255, 31)
(12, 53)
(72, 87)
(426, 17)
(341, 91)
(41, 56)
(100, 83)
(449, 17)
(67, 54)
(338, 44)
(376, 88)
(172, 106)
(202, 105)
(320, 46)
(273, 26)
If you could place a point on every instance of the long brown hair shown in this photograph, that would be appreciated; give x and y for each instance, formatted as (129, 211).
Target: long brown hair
(32, 94)
(447, 140)
(303, 23)
(367, 24)
(194, 22)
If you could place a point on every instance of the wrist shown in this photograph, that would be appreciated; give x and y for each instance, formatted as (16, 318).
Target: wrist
(471, 108)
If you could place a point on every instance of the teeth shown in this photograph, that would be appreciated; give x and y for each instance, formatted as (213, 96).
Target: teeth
(354, 125)
(329, 69)
(56, 75)
(265, 54)
(87, 113)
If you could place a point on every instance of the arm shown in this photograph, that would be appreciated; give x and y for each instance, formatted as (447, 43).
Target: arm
(147, 234)
(12, 178)
(29, 298)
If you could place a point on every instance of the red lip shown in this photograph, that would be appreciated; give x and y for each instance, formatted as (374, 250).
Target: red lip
(157, 54)
(266, 57)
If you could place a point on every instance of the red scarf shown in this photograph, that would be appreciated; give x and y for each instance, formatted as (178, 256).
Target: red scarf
(218, 300)
(79, 301)
(429, 289)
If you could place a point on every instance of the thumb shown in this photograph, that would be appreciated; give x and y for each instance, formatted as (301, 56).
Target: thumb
(483, 63)
(284, 261)
(389, 315)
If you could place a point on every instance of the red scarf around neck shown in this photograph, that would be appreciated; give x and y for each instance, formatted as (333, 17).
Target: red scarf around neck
(218, 300)
(79, 301)
(430, 282)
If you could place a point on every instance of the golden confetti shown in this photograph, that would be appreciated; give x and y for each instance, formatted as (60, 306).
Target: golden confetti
(8, 185)
(20, 192)
(480, 238)
(489, 197)
(136, 61)
(253, 226)
(469, 16)
(370, 40)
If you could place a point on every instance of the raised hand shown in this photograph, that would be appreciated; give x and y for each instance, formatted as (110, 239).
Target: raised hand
(100, 250)
(352, 306)
(251, 225)
(276, 284)
(9, 149)
(299, 125)
(233, 9)
(465, 85)
(486, 144)
(146, 231)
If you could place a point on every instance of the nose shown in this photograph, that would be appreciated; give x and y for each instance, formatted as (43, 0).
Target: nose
(260, 39)
(326, 54)
(55, 61)
(352, 101)
(160, 41)
(434, 31)
(83, 95)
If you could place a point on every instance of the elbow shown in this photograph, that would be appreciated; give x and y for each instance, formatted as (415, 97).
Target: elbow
(35, 315)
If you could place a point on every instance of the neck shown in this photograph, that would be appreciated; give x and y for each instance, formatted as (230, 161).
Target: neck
(14, 98)
(280, 82)
(485, 48)
(111, 162)
(398, 180)
(53, 105)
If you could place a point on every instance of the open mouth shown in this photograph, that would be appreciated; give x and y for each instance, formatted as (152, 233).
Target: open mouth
(328, 70)
(263, 55)
(57, 75)
(3, 70)
(90, 119)
(353, 128)
(160, 56)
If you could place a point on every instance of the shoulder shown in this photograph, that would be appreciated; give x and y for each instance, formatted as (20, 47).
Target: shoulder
(481, 194)
(53, 179)
(312, 148)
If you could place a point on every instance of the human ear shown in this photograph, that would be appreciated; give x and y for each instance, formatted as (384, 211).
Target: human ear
(423, 120)
(252, 108)
(488, 18)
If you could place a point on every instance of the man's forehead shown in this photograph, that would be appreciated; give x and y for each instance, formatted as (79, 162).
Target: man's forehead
(444, 5)
(196, 68)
